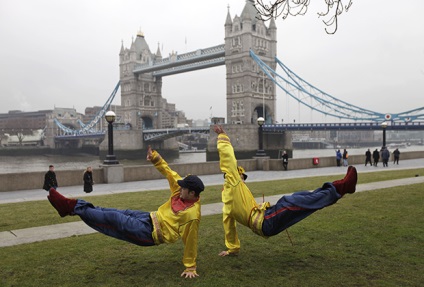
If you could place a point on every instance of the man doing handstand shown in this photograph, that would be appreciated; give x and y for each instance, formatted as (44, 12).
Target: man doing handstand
(178, 217)
(264, 219)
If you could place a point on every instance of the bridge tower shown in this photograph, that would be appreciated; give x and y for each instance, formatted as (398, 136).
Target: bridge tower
(141, 94)
(250, 94)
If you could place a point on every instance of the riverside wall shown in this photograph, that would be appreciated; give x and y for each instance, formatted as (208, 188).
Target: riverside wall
(34, 180)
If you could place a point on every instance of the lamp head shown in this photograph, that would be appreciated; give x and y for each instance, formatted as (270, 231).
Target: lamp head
(110, 117)
(384, 125)
(261, 121)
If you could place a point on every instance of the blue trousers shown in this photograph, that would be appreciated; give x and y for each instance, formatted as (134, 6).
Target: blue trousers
(291, 209)
(129, 225)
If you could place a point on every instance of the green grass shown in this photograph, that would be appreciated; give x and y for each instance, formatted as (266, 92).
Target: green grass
(39, 213)
(366, 239)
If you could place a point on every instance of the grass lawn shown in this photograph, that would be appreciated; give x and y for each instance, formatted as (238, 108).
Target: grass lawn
(373, 238)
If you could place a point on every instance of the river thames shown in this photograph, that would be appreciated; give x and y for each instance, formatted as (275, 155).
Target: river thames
(16, 164)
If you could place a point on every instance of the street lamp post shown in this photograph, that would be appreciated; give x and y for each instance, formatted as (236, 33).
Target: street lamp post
(263, 92)
(110, 158)
(260, 151)
(384, 126)
(263, 95)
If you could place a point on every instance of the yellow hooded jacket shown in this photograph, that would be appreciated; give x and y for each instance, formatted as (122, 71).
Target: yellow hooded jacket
(239, 203)
(168, 223)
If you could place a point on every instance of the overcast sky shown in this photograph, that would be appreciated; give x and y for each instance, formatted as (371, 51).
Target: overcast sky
(64, 53)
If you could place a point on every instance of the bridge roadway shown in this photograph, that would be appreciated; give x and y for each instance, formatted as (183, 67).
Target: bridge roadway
(56, 231)
(343, 126)
(163, 134)
(94, 135)
(191, 61)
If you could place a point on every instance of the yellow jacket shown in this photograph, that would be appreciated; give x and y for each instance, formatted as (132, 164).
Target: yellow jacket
(239, 204)
(169, 225)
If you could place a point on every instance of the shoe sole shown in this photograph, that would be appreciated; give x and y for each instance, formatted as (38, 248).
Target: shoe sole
(353, 169)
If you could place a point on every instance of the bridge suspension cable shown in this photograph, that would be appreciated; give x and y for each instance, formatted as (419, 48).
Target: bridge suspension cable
(322, 102)
(89, 127)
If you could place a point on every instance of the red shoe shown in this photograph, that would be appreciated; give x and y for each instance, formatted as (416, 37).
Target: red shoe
(348, 183)
(63, 205)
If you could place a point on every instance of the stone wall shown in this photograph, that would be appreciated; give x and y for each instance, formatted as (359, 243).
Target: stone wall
(35, 180)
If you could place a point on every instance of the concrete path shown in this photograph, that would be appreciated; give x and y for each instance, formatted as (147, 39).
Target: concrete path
(35, 234)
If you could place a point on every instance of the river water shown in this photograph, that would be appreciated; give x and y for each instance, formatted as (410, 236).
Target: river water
(16, 164)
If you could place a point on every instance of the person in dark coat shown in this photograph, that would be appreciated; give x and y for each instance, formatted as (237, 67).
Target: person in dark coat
(385, 155)
(368, 157)
(88, 180)
(285, 158)
(376, 157)
(345, 158)
(338, 157)
(50, 179)
(396, 154)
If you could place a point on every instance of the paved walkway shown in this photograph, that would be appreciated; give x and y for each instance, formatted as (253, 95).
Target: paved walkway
(34, 234)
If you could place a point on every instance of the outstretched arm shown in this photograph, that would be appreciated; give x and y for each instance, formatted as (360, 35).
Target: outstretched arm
(190, 237)
(218, 129)
(227, 159)
(162, 166)
(228, 165)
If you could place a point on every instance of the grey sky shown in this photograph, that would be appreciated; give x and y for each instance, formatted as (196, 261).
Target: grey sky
(64, 53)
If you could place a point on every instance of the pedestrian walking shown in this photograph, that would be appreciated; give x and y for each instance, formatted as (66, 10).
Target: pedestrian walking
(385, 155)
(368, 157)
(376, 157)
(345, 158)
(338, 157)
(285, 158)
(88, 180)
(396, 154)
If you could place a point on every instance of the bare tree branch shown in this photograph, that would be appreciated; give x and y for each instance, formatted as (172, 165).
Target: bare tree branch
(21, 137)
(284, 8)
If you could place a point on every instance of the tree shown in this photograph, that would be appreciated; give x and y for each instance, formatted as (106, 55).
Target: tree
(20, 137)
(285, 8)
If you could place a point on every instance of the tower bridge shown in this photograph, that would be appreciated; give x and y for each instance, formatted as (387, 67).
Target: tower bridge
(163, 134)
(249, 54)
(192, 61)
